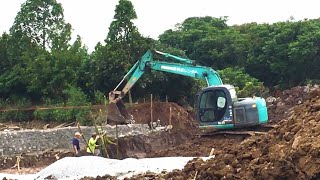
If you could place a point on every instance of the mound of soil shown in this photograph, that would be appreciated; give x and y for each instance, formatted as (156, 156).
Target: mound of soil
(290, 151)
(180, 118)
(140, 146)
(200, 146)
(282, 102)
(34, 160)
(34, 124)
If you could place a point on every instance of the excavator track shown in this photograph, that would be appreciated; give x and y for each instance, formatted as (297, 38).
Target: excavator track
(249, 131)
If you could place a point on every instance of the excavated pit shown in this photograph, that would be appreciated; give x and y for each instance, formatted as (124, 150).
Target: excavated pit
(290, 151)
(138, 146)
(183, 129)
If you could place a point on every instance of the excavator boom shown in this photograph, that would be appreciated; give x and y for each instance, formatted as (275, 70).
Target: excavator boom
(186, 67)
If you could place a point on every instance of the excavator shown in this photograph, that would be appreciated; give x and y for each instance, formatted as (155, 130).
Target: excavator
(217, 105)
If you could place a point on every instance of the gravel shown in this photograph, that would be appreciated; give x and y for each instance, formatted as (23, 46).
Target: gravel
(92, 166)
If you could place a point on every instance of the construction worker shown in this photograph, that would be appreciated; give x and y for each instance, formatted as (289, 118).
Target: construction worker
(92, 144)
(76, 143)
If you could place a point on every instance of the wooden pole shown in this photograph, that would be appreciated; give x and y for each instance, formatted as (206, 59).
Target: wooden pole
(170, 115)
(130, 98)
(151, 115)
(170, 118)
(118, 150)
(106, 108)
(195, 176)
(211, 152)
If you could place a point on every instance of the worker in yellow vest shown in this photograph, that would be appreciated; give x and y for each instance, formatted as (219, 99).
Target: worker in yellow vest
(92, 144)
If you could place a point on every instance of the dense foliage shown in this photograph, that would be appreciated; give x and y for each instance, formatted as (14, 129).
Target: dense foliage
(39, 65)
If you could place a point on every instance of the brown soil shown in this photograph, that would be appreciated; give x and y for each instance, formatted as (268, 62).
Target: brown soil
(33, 160)
(290, 151)
(141, 146)
(34, 124)
(282, 102)
(200, 146)
(180, 118)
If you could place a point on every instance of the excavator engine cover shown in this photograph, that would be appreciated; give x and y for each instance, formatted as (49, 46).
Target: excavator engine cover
(118, 113)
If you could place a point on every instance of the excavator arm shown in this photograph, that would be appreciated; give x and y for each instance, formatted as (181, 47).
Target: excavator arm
(186, 67)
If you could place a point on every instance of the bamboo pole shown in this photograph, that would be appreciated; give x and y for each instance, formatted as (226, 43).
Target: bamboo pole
(80, 131)
(103, 146)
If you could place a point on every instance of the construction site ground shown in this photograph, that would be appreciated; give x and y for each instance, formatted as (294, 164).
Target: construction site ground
(290, 150)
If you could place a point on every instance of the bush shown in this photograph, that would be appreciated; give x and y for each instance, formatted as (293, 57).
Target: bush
(75, 97)
(243, 82)
(99, 98)
(15, 102)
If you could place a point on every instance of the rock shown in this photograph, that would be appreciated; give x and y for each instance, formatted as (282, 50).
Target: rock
(296, 142)
(228, 158)
(318, 117)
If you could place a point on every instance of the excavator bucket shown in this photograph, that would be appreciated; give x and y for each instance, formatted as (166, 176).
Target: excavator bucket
(118, 113)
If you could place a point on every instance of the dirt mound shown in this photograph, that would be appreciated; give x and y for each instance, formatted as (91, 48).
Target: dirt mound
(282, 102)
(34, 160)
(141, 146)
(180, 118)
(200, 146)
(290, 151)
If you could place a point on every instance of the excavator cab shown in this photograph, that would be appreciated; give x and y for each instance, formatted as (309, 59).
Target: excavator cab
(218, 107)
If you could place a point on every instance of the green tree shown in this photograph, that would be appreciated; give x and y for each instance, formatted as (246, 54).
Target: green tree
(244, 83)
(50, 74)
(43, 22)
(209, 41)
(124, 46)
(14, 53)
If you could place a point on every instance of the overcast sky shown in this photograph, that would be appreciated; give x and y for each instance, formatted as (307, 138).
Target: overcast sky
(91, 18)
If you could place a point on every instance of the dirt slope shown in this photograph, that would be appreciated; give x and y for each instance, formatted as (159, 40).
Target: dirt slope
(290, 151)
(282, 102)
(180, 118)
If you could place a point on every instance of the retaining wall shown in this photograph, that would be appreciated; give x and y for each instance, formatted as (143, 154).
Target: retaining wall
(32, 141)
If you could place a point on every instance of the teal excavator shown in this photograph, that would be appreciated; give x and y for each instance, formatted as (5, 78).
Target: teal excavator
(217, 105)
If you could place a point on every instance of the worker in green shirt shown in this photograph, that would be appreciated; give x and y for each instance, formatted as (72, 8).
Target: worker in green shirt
(92, 144)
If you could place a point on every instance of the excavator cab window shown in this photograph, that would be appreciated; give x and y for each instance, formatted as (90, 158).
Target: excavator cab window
(212, 105)
(221, 102)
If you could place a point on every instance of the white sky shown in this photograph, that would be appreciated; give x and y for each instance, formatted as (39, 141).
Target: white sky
(91, 18)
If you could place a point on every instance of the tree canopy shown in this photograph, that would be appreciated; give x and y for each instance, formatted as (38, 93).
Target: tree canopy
(40, 65)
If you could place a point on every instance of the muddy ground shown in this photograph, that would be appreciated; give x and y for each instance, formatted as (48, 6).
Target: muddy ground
(290, 151)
